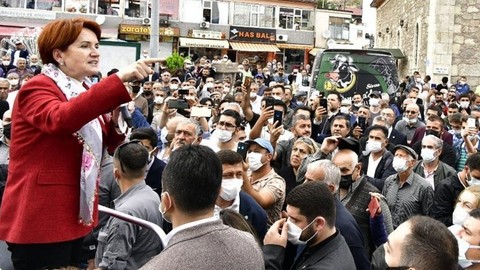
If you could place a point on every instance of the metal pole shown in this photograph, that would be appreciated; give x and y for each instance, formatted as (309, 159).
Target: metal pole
(155, 30)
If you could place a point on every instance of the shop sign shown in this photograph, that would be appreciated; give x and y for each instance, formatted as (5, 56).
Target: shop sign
(252, 34)
(207, 34)
(31, 14)
(145, 30)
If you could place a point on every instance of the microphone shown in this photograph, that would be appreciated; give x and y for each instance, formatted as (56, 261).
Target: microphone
(127, 117)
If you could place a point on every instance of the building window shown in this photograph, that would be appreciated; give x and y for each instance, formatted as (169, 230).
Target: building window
(254, 15)
(339, 28)
(296, 19)
(211, 13)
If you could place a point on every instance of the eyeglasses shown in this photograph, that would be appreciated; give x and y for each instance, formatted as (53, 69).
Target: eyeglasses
(119, 150)
(225, 124)
(410, 112)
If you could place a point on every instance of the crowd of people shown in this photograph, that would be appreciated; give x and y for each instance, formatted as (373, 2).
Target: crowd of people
(249, 172)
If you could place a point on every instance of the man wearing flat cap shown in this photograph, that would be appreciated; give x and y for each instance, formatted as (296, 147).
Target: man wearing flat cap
(406, 192)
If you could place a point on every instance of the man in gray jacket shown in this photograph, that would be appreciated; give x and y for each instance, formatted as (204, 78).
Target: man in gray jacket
(191, 184)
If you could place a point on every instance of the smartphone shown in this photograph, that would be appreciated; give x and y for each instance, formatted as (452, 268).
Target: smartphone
(323, 103)
(269, 103)
(471, 122)
(183, 92)
(94, 79)
(201, 111)
(278, 116)
(242, 149)
(177, 104)
(433, 85)
(373, 207)
(362, 122)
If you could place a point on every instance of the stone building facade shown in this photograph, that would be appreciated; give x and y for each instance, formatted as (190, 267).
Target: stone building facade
(439, 38)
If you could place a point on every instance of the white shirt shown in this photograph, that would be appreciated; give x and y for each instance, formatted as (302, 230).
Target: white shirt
(257, 104)
(372, 166)
(235, 207)
(186, 226)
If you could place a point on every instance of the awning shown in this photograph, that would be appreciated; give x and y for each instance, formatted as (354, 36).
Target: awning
(203, 43)
(254, 47)
(396, 53)
(294, 46)
(10, 31)
(314, 51)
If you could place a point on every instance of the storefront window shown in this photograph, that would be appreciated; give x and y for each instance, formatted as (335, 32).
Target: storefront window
(339, 27)
(55, 5)
(296, 19)
(108, 7)
(13, 3)
(254, 15)
(136, 8)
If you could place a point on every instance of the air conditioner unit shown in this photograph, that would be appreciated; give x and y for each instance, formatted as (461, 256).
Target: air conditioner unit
(281, 37)
(146, 21)
(204, 25)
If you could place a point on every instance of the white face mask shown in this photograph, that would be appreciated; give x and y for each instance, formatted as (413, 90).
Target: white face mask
(358, 104)
(373, 146)
(13, 82)
(231, 188)
(161, 208)
(163, 135)
(399, 164)
(410, 121)
(473, 181)
(294, 233)
(419, 80)
(428, 155)
(173, 86)
(158, 100)
(6, 63)
(254, 161)
(344, 110)
(277, 97)
(459, 215)
(464, 104)
(463, 247)
(223, 135)
(374, 102)
(253, 95)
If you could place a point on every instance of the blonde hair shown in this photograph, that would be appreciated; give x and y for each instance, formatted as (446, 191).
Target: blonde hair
(475, 190)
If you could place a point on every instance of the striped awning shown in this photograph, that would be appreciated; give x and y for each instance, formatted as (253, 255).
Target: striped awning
(254, 47)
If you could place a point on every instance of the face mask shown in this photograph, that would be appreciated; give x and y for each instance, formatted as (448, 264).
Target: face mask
(7, 131)
(162, 210)
(379, 263)
(13, 82)
(174, 86)
(428, 155)
(158, 100)
(277, 97)
(374, 102)
(410, 121)
(459, 215)
(135, 89)
(463, 247)
(231, 188)
(294, 233)
(6, 63)
(253, 95)
(399, 164)
(464, 104)
(344, 110)
(358, 104)
(461, 82)
(373, 146)
(419, 80)
(346, 181)
(163, 135)
(223, 135)
(432, 132)
(254, 161)
(473, 181)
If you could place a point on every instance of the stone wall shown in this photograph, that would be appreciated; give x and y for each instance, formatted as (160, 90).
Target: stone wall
(449, 37)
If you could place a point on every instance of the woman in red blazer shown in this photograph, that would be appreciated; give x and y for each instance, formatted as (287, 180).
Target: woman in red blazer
(59, 137)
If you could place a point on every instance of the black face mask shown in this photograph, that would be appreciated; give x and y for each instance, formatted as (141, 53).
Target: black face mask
(346, 181)
(378, 261)
(135, 89)
(7, 130)
(433, 132)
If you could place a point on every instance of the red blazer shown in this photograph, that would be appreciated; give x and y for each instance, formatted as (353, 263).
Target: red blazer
(41, 199)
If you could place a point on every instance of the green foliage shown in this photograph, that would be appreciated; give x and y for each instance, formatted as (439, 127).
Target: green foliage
(174, 62)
